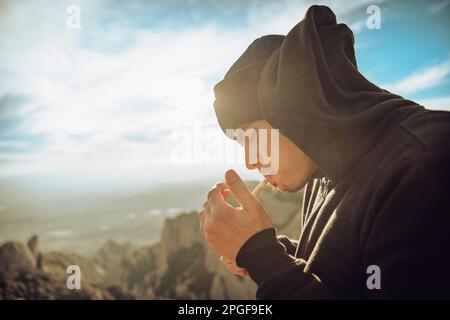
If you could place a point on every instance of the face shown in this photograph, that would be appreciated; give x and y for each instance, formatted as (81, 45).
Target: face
(294, 166)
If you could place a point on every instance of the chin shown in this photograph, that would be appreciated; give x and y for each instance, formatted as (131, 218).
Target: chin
(277, 182)
(282, 187)
(291, 187)
(286, 186)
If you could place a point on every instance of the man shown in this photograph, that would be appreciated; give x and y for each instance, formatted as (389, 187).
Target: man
(375, 217)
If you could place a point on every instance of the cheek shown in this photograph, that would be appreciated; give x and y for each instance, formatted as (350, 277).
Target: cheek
(285, 165)
(294, 165)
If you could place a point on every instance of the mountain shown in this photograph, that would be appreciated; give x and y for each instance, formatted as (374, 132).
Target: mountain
(20, 278)
(179, 266)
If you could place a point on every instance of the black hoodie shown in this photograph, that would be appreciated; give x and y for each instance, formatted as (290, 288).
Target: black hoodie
(379, 199)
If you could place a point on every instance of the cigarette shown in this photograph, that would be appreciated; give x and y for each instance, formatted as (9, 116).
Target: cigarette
(260, 187)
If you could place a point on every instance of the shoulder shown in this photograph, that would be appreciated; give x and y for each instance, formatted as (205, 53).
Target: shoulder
(411, 196)
(422, 169)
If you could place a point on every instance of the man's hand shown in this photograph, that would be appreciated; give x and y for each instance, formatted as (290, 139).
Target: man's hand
(227, 228)
(233, 268)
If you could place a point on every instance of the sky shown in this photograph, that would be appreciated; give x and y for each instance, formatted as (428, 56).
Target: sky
(106, 102)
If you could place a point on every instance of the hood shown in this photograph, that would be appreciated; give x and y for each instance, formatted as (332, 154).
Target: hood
(307, 85)
(236, 95)
(310, 89)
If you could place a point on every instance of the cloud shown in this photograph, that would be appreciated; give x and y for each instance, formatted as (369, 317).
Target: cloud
(15, 114)
(109, 94)
(421, 80)
(438, 7)
(436, 103)
(11, 106)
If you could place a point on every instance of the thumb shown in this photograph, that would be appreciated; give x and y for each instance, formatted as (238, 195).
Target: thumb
(239, 189)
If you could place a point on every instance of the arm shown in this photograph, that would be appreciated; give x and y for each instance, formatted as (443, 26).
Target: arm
(270, 262)
(406, 233)
(277, 273)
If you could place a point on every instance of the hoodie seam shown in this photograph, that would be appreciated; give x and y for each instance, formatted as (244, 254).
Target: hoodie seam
(414, 135)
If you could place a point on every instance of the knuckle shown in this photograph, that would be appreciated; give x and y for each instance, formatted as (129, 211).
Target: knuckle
(211, 193)
(220, 185)
(209, 229)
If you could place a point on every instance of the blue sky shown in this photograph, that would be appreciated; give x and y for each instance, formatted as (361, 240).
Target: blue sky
(107, 98)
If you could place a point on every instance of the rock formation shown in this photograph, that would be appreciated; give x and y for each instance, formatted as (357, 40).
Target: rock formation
(179, 266)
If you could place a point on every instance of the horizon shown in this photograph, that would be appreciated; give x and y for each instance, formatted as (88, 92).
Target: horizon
(61, 116)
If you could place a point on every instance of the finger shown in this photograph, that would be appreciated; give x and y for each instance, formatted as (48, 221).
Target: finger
(221, 186)
(236, 270)
(239, 189)
(227, 194)
(224, 260)
(215, 197)
(228, 263)
(206, 213)
(210, 222)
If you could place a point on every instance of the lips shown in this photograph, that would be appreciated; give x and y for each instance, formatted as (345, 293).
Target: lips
(274, 186)
(272, 183)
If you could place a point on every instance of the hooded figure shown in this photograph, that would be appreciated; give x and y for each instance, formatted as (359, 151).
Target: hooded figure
(375, 216)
